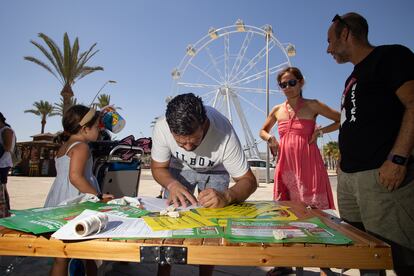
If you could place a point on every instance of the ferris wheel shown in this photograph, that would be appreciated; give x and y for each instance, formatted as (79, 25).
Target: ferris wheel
(228, 68)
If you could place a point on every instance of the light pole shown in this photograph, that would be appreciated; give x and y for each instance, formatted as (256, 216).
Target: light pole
(268, 30)
(108, 81)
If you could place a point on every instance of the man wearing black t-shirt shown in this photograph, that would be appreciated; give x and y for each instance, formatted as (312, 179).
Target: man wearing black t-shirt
(376, 137)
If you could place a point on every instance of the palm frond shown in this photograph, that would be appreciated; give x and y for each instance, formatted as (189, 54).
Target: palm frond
(36, 112)
(67, 59)
(57, 54)
(89, 56)
(87, 70)
(45, 66)
(74, 59)
(48, 56)
(85, 57)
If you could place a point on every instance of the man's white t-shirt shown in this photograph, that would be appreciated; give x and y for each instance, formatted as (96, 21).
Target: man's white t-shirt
(220, 149)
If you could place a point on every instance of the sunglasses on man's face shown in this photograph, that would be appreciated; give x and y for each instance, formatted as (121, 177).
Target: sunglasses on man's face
(291, 83)
(341, 20)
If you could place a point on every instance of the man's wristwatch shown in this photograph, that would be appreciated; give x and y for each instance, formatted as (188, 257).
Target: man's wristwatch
(398, 159)
(100, 196)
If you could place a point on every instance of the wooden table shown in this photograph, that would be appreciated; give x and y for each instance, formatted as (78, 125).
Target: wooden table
(366, 252)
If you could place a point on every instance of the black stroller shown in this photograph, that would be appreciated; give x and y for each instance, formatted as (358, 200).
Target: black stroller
(117, 166)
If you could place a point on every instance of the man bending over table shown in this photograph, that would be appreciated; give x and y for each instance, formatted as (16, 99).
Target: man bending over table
(195, 145)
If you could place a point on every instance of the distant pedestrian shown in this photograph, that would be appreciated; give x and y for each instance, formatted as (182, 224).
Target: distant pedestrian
(7, 144)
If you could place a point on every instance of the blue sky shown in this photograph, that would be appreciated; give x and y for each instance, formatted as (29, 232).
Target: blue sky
(140, 43)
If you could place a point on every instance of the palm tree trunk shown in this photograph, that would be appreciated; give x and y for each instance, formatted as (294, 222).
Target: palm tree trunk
(67, 94)
(43, 124)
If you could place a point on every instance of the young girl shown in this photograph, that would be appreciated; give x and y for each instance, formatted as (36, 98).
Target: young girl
(74, 166)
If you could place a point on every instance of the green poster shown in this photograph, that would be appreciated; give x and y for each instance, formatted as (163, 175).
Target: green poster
(201, 232)
(310, 230)
(43, 220)
(195, 233)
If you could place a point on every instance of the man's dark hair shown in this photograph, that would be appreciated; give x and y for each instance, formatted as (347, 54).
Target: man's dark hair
(355, 23)
(185, 114)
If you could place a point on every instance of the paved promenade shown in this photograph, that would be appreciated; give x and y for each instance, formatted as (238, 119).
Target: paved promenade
(30, 192)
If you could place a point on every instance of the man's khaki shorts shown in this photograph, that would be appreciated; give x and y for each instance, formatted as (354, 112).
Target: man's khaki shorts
(390, 215)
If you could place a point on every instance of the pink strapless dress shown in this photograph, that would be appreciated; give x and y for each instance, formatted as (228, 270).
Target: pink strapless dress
(300, 172)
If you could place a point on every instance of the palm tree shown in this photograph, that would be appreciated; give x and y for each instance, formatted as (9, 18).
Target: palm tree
(43, 109)
(58, 107)
(331, 151)
(67, 67)
(104, 100)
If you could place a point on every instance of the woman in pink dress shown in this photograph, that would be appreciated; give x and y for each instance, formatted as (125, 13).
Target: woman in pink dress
(300, 173)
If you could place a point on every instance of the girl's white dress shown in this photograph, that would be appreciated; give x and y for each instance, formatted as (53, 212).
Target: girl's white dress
(62, 189)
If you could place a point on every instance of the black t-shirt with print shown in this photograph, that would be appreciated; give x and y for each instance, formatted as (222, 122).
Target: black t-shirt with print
(371, 112)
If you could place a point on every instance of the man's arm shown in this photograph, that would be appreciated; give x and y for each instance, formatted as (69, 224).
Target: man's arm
(239, 192)
(178, 193)
(391, 175)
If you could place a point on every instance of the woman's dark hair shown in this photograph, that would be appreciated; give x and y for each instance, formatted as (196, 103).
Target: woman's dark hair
(185, 114)
(3, 120)
(294, 71)
(72, 118)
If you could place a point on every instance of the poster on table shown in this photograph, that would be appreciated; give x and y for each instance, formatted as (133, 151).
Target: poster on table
(311, 230)
(44, 220)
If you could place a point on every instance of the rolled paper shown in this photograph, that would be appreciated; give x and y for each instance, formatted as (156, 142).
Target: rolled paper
(91, 225)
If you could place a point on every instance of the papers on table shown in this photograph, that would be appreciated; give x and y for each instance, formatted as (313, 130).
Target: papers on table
(117, 227)
(187, 219)
(311, 230)
(264, 210)
(157, 204)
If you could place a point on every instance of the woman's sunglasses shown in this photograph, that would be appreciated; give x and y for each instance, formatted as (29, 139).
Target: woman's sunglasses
(291, 83)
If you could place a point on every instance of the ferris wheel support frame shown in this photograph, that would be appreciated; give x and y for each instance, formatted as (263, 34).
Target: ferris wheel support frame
(235, 76)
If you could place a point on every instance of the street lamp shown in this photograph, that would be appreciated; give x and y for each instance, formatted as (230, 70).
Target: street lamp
(108, 81)
(268, 29)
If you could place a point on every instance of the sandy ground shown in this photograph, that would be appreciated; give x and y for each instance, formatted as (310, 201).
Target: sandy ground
(30, 192)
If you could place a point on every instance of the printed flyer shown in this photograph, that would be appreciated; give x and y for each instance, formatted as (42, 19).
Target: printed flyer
(200, 232)
(240, 210)
(44, 220)
(310, 230)
(187, 219)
